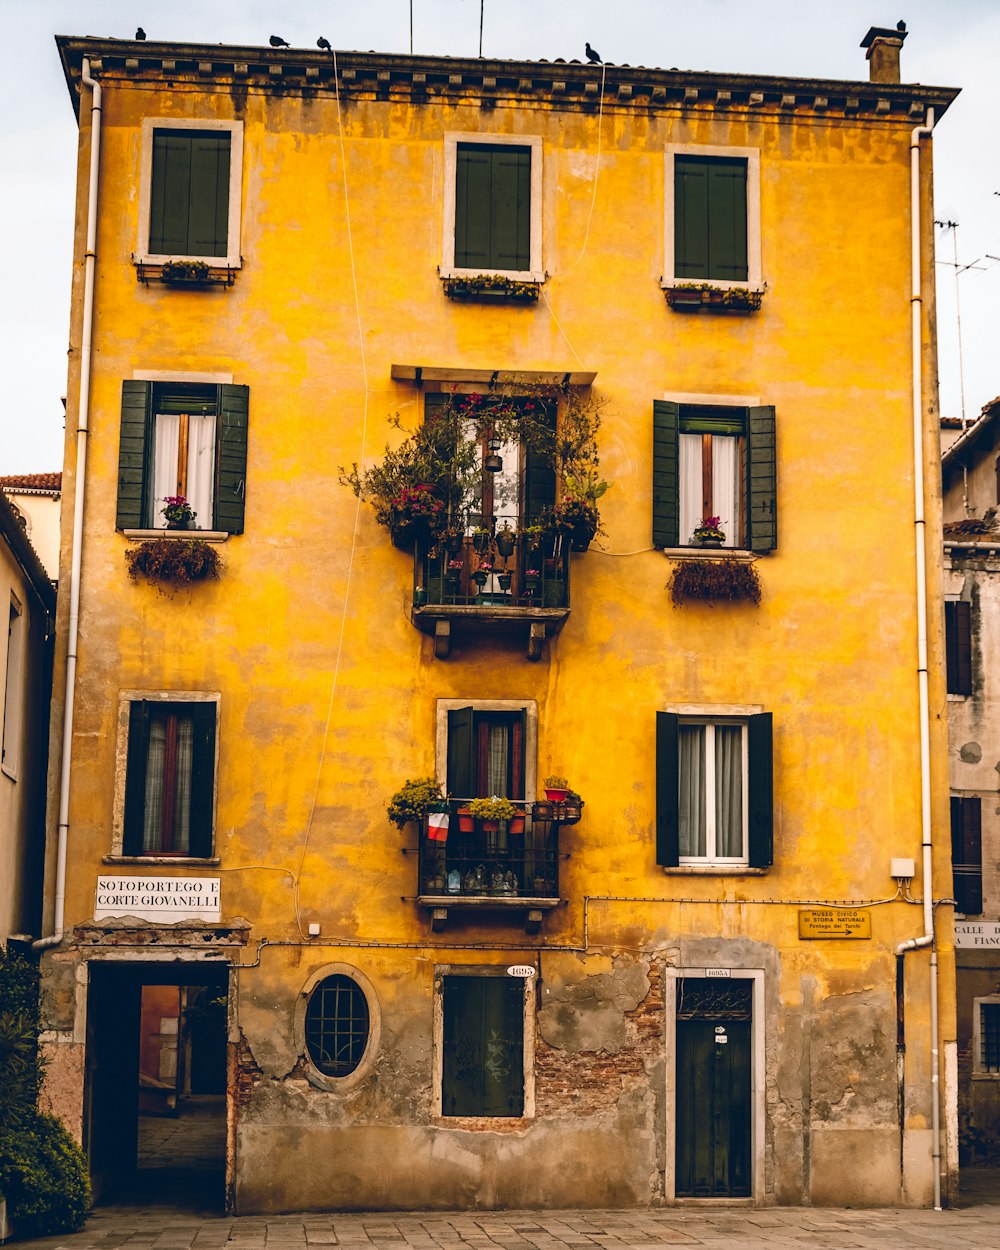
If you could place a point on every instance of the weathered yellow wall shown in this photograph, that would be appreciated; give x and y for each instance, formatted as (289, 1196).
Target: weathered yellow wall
(831, 650)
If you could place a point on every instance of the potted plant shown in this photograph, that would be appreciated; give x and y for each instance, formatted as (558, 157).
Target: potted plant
(466, 822)
(532, 580)
(505, 540)
(531, 536)
(555, 788)
(489, 812)
(715, 579)
(481, 574)
(709, 533)
(480, 538)
(173, 562)
(572, 808)
(453, 576)
(414, 799)
(178, 513)
(504, 579)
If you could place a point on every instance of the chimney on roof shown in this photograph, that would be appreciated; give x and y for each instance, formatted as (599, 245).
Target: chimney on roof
(884, 46)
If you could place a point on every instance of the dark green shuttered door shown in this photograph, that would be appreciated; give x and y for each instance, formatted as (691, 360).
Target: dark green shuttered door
(483, 1068)
(231, 469)
(189, 195)
(136, 435)
(710, 218)
(493, 207)
(762, 492)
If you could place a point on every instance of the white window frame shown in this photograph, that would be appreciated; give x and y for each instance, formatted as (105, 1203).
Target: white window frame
(13, 690)
(232, 260)
(752, 157)
(536, 272)
(323, 1080)
(528, 706)
(528, 1046)
(125, 700)
(979, 1073)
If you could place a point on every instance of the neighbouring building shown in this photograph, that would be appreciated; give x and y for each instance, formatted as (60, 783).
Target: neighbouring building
(28, 600)
(35, 498)
(712, 981)
(971, 481)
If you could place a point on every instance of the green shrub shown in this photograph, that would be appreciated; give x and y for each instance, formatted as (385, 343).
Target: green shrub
(19, 1067)
(43, 1176)
(413, 800)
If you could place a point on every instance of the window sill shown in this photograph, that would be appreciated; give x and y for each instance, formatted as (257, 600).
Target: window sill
(508, 275)
(206, 536)
(713, 297)
(208, 861)
(714, 870)
(484, 1123)
(710, 553)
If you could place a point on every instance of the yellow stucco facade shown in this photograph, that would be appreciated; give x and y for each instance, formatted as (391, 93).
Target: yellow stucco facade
(327, 696)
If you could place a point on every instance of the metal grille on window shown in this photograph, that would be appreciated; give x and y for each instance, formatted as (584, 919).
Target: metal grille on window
(989, 1036)
(337, 1025)
(704, 999)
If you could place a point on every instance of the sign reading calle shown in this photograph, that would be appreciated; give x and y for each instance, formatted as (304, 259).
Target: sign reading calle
(834, 922)
(981, 934)
(167, 899)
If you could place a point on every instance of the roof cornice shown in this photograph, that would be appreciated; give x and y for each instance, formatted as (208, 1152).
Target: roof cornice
(564, 84)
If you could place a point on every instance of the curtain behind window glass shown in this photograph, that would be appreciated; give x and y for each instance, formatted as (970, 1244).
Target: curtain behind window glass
(182, 798)
(728, 790)
(152, 825)
(691, 797)
(725, 491)
(690, 486)
(156, 777)
(200, 465)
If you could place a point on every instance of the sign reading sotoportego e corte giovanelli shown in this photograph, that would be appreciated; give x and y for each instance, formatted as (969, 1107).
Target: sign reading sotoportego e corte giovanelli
(167, 899)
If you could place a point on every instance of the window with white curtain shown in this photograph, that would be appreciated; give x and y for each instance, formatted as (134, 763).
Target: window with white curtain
(711, 443)
(184, 451)
(712, 792)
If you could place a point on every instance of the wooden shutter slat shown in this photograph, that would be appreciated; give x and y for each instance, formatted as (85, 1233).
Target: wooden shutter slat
(666, 451)
(133, 454)
(727, 220)
(690, 218)
(539, 475)
(958, 646)
(760, 751)
(473, 206)
(170, 193)
(202, 776)
(231, 469)
(461, 771)
(135, 777)
(208, 206)
(510, 208)
(667, 770)
(762, 497)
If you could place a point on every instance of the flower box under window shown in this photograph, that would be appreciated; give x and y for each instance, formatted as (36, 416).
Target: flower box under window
(704, 297)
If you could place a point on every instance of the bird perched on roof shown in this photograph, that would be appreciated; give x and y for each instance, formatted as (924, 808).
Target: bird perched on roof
(140, 34)
(276, 41)
(901, 26)
(323, 43)
(593, 57)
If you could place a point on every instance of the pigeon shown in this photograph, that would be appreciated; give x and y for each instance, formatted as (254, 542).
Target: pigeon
(276, 41)
(323, 43)
(593, 57)
(140, 34)
(901, 26)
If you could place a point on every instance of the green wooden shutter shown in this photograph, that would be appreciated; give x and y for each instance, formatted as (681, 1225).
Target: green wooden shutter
(135, 777)
(202, 775)
(762, 496)
(690, 218)
(231, 470)
(135, 442)
(208, 208)
(473, 206)
(483, 1052)
(667, 768)
(967, 854)
(461, 754)
(539, 475)
(958, 646)
(760, 835)
(666, 444)
(170, 193)
(727, 220)
(510, 238)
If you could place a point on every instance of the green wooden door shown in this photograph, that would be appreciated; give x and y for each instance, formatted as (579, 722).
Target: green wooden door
(483, 1069)
(713, 1109)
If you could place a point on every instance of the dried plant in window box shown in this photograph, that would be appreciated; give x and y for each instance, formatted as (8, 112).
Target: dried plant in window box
(173, 561)
(709, 580)
(485, 286)
(699, 296)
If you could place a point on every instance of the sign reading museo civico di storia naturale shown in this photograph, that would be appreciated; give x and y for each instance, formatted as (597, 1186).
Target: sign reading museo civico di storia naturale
(167, 899)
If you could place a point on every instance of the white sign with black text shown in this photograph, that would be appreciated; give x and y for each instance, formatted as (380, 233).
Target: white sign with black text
(167, 899)
(977, 935)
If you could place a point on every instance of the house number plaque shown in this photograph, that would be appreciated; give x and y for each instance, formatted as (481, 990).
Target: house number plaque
(520, 970)
(834, 922)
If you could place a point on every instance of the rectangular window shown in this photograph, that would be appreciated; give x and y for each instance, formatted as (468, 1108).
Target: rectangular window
(711, 460)
(486, 751)
(714, 790)
(183, 439)
(958, 646)
(492, 206)
(12, 691)
(988, 1056)
(190, 186)
(483, 1046)
(967, 853)
(170, 779)
(712, 225)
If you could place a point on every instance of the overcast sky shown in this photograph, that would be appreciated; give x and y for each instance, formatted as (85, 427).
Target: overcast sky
(953, 43)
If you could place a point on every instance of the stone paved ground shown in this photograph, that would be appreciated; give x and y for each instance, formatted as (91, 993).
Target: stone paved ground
(166, 1227)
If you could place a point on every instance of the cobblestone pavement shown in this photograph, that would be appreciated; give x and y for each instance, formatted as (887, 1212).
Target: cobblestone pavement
(163, 1227)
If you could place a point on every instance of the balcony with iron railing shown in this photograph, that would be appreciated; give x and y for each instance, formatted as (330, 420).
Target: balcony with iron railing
(492, 865)
(492, 574)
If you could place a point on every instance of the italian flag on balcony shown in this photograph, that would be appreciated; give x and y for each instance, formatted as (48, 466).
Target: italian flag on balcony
(437, 825)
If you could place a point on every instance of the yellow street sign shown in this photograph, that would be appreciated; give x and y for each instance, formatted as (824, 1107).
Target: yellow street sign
(835, 922)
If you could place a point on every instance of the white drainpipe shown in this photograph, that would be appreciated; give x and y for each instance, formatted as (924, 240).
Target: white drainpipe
(916, 306)
(79, 494)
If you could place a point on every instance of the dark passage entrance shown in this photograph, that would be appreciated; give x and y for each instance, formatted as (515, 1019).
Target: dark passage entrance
(155, 1112)
(713, 1088)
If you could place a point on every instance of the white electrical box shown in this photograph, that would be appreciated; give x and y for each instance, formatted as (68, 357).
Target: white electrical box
(314, 927)
(902, 868)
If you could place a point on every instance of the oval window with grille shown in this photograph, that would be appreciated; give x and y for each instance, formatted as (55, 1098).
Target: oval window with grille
(337, 1025)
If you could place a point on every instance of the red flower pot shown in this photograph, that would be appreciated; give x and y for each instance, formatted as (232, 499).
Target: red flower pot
(466, 824)
(556, 796)
(516, 824)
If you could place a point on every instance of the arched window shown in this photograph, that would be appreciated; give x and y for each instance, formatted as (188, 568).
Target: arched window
(337, 1025)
